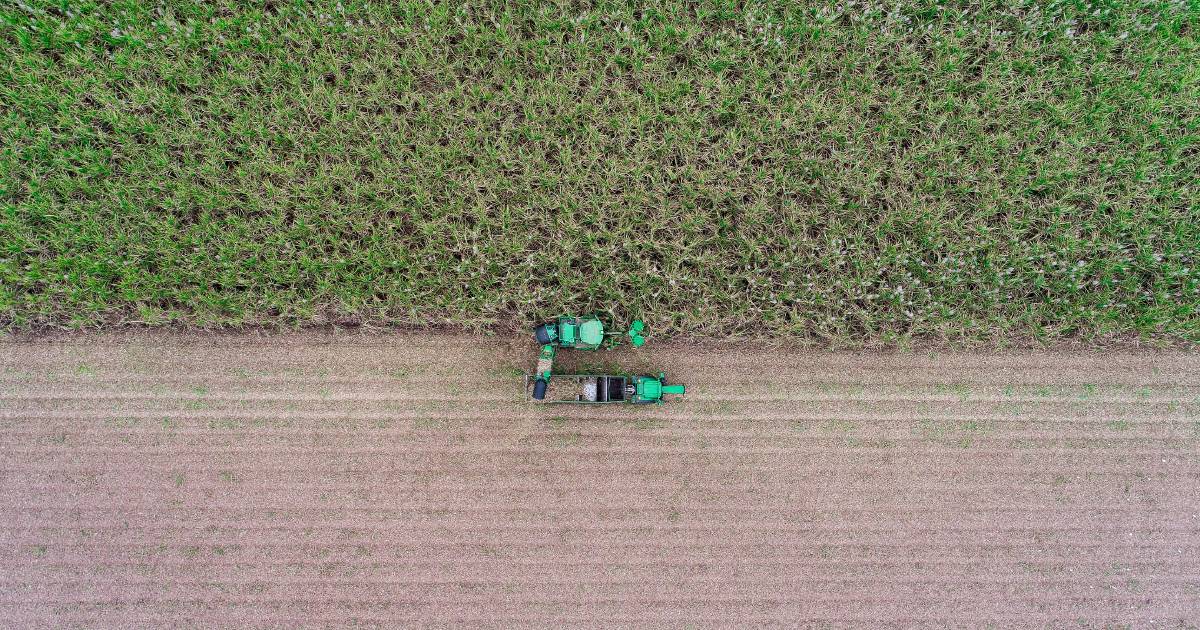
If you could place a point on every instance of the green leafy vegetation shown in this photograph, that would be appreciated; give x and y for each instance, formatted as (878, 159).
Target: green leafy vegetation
(829, 170)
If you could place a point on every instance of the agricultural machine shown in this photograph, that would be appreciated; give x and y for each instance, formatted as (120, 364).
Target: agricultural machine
(585, 333)
(588, 333)
(605, 389)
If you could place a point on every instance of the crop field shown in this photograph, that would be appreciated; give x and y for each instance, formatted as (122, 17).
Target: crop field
(312, 479)
(859, 172)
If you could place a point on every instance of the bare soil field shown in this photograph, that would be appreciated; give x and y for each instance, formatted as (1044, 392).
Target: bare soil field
(321, 479)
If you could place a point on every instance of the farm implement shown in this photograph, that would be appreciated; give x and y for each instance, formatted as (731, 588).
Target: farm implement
(604, 389)
(588, 333)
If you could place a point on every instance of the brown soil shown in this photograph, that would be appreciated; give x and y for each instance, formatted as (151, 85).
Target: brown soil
(312, 480)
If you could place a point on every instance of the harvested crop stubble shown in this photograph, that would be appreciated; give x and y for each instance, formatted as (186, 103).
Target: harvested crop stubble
(318, 480)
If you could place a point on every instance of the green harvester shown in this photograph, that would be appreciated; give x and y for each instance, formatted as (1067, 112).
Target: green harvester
(586, 333)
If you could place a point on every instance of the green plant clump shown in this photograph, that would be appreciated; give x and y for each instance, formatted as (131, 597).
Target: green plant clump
(836, 170)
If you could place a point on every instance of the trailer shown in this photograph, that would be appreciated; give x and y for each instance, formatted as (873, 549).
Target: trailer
(598, 389)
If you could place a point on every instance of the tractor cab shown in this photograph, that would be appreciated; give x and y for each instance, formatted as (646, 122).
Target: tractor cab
(584, 334)
(650, 389)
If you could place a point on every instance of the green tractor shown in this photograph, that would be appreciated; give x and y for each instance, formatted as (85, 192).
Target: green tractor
(585, 333)
(605, 389)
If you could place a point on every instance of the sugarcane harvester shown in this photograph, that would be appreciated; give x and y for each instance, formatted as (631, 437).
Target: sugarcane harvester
(588, 333)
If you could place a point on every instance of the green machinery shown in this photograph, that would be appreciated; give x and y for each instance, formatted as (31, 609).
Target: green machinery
(541, 376)
(606, 389)
(588, 333)
(585, 333)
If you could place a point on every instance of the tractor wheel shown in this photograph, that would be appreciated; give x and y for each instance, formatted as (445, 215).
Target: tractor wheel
(542, 334)
(539, 389)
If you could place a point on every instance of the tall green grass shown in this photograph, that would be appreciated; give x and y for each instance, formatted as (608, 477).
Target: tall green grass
(839, 171)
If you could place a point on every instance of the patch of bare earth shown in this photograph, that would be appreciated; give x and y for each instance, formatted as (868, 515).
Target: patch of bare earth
(313, 480)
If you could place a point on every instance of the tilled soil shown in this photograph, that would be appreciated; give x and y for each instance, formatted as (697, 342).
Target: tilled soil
(312, 480)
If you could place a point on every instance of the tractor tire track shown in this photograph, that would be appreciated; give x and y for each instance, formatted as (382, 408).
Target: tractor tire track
(307, 480)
